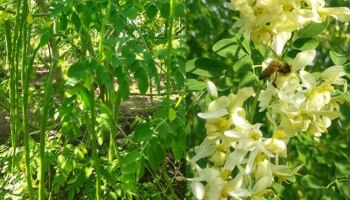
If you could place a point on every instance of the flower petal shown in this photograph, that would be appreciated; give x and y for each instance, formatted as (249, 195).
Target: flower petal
(262, 184)
(308, 79)
(233, 134)
(279, 41)
(251, 160)
(205, 152)
(303, 58)
(340, 13)
(234, 159)
(198, 189)
(213, 115)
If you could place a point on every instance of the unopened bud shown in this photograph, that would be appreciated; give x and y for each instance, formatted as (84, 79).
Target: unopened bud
(212, 91)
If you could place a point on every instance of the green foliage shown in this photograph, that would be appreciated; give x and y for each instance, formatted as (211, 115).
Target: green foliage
(312, 30)
(136, 149)
(204, 67)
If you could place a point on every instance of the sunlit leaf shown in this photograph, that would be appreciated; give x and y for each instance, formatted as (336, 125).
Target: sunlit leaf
(342, 169)
(131, 13)
(154, 153)
(344, 188)
(78, 71)
(130, 161)
(246, 45)
(194, 84)
(79, 154)
(172, 114)
(227, 48)
(85, 97)
(312, 30)
(46, 35)
(305, 44)
(107, 121)
(143, 132)
(338, 58)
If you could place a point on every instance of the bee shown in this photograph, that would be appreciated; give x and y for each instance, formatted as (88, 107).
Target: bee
(279, 66)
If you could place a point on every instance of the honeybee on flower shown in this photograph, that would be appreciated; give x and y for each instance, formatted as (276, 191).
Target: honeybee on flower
(303, 103)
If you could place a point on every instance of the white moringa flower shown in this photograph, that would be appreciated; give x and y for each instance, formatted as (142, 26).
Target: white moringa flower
(279, 40)
(340, 13)
(267, 20)
(238, 156)
(276, 146)
(303, 102)
(219, 156)
(333, 75)
(204, 150)
(217, 184)
(225, 111)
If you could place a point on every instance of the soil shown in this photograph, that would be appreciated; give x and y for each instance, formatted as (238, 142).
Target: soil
(4, 126)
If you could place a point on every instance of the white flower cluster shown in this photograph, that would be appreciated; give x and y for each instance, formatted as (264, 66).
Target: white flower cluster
(301, 101)
(239, 162)
(243, 163)
(263, 20)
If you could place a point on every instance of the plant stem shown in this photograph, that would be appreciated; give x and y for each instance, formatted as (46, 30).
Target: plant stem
(92, 111)
(94, 143)
(254, 105)
(25, 44)
(47, 99)
(167, 179)
(168, 80)
(13, 82)
(116, 111)
(43, 126)
(116, 120)
(169, 49)
(102, 32)
(54, 48)
(10, 63)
